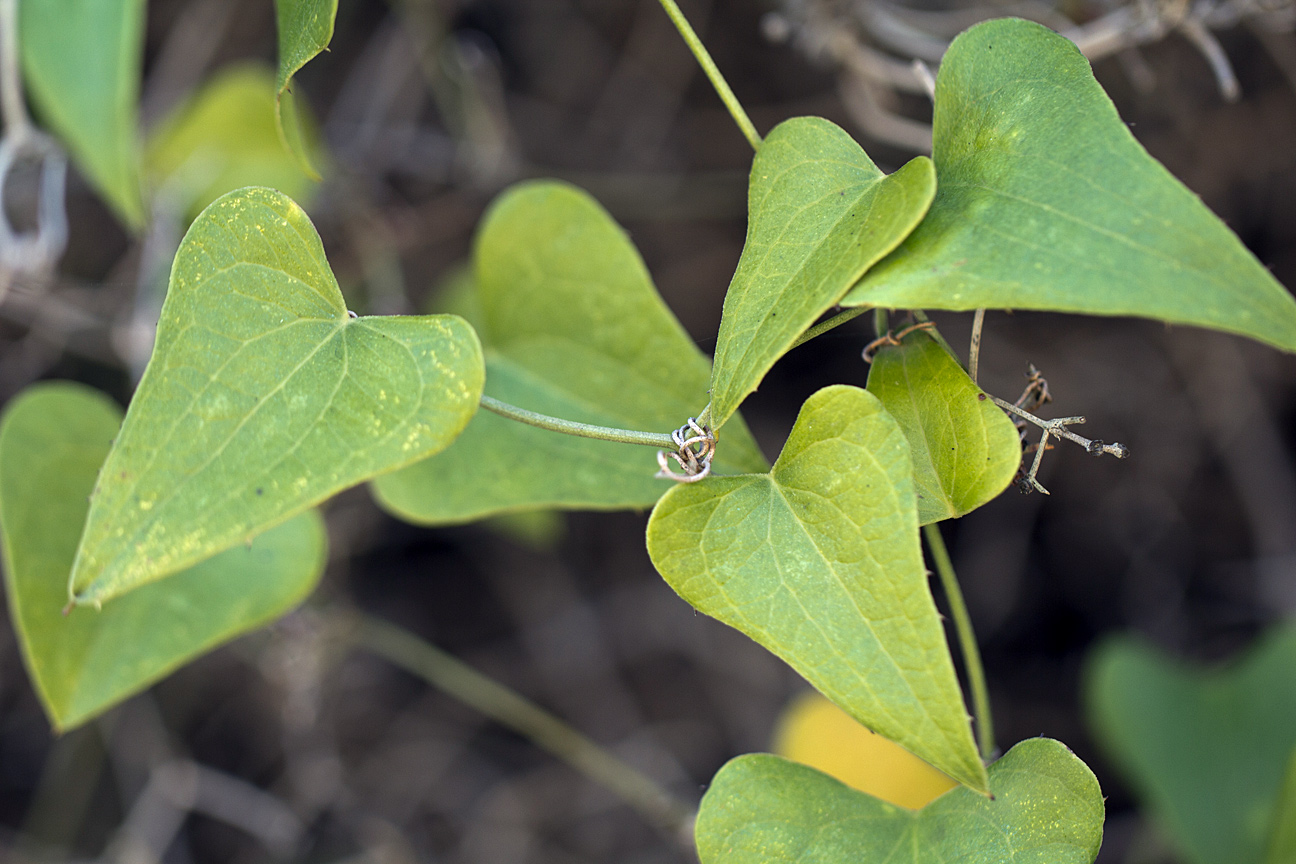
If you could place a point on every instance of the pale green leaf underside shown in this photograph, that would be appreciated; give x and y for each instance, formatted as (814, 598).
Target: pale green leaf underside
(761, 809)
(53, 439)
(574, 329)
(263, 398)
(81, 61)
(820, 213)
(819, 562)
(964, 448)
(1206, 750)
(222, 139)
(1046, 201)
(305, 29)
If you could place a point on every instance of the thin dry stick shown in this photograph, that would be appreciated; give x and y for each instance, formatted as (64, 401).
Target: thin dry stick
(16, 122)
(974, 351)
(543, 729)
(1057, 428)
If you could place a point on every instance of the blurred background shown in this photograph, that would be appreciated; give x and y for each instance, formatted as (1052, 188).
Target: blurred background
(425, 109)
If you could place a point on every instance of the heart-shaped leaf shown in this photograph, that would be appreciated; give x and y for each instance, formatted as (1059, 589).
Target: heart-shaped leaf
(305, 29)
(964, 448)
(81, 60)
(222, 139)
(819, 562)
(1046, 201)
(53, 438)
(1047, 809)
(820, 213)
(263, 398)
(573, 328)
(1206, 750)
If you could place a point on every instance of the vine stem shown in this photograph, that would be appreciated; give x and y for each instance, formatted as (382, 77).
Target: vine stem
(713, 73)
(508, 708)
(824, 326)
(571, 427)
(967, 641)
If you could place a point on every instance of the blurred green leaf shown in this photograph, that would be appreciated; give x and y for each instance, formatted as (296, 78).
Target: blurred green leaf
(964, 448)
(760, 809)
(819, 562)
(573, 328)
(81, 60)
(541, 530)
(1282, 833)
(53, 439)
(820, 213)
(305, 29)
(1205, 750)
(1046, 201)
(263, 397)
(225, 138)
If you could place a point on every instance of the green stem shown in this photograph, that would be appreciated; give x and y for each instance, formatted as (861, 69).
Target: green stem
(570, 427)
(967, 640)
(824, 326)
(712, 72)
(881, 322)
(504, 706)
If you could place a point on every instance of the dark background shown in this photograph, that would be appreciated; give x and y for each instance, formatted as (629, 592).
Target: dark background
(429, 109)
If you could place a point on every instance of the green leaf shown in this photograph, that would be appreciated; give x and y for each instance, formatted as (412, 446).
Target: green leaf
(760, 809)
(819, 562)
(263, 398)
(53, 438)
(820, 213)
(1046, 201)
(1282, 835)
(82, 60)
(573, 328)
(224, 138)
(305, 29)
(1205, 750)
(964, 448)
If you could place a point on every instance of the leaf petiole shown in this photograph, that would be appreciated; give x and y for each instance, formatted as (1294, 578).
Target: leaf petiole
(713, 73)
(967, 640)
(582, 430)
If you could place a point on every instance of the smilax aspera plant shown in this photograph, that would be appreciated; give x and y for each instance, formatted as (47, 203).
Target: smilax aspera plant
(134, 543)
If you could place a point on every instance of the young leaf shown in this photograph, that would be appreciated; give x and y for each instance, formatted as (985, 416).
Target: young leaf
(305, 29)
(820, 213)
(1046, 201)
(1206, 750)
(573, 328)
(81, 60)
(819, 562)
(222, 139)
(53, 438)
(964, 448)
(761, 809)
(263, 398)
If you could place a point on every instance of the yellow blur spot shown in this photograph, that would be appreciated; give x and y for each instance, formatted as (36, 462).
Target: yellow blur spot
(815, 732)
